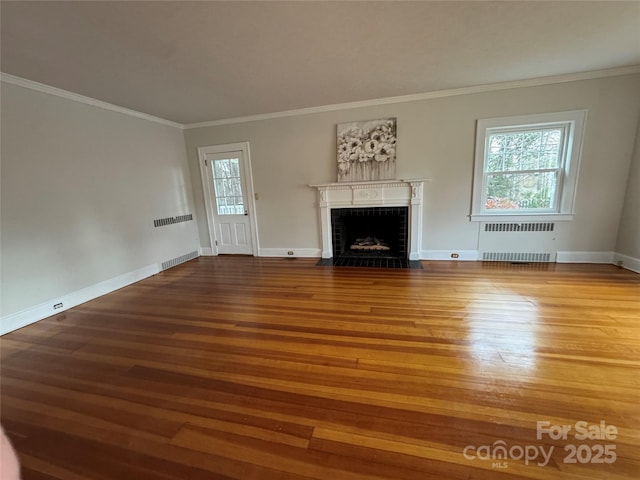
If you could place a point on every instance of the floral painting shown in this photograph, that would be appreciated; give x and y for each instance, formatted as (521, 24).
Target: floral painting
(367, 150)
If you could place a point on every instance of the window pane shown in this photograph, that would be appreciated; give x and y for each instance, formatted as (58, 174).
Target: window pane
(234, 187)
(530, 153)
(494, 162)
(521, 190)
(221, 168)
(219, 187)
(227, 186)
(235, 168)
(517, 151)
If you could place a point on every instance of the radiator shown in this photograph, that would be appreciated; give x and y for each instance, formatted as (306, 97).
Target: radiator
(178, 260)
(517, 242)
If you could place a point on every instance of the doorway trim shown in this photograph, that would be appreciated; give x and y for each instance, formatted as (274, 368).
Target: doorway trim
(207, 188)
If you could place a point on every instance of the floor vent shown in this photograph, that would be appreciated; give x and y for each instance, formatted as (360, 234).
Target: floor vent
(519, 227)
(516, 257)
(179, 260)
(161, 222)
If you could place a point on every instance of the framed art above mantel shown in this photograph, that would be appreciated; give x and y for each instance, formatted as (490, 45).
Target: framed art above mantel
(367, 150)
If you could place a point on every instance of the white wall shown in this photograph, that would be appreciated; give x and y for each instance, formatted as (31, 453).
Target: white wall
(81, 187)
(435, 140)
(628, 246)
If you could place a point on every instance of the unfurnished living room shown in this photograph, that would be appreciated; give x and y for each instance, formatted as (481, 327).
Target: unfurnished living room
(377, 240)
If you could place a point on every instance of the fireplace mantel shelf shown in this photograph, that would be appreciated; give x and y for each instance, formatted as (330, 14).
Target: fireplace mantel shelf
(392, 193)
(369, 184)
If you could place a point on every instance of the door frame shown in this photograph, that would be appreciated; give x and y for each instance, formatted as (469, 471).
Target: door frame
(208, 189)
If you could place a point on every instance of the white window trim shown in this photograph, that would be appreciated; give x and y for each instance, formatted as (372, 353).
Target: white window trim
(577, 122)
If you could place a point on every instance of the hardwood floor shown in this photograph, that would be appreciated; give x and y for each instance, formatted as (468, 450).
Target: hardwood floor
(243, 368)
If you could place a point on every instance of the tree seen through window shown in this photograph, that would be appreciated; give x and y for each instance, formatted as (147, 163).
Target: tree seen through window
(523, 169)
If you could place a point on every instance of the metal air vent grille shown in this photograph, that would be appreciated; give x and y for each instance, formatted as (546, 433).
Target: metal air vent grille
(519, 227)
(178, 260)
(161, 222)
(516, 257)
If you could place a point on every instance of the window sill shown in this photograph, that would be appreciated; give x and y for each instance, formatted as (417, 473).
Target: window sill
(528, 217)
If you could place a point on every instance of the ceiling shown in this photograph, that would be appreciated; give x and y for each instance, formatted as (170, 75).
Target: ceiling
(192, 62)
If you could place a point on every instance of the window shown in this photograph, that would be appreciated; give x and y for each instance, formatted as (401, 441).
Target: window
(527, 165)
(228, 186)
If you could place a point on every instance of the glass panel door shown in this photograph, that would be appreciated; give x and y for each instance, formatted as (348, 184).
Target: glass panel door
(227, 180)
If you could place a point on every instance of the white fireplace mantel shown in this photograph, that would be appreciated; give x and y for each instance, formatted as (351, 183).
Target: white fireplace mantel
(382, 193)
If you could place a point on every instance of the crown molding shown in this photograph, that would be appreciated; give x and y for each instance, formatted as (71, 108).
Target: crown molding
(534, 82)
(41, 87)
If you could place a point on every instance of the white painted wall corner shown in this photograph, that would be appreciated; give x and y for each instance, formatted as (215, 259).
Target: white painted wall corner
(630, 263)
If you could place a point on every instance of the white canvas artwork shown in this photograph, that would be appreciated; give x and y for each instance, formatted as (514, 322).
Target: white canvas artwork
(367, 150)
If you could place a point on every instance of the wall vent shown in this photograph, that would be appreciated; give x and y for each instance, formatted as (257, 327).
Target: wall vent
(161, 222)
(519, 227)
(515, 257)
(178, 260)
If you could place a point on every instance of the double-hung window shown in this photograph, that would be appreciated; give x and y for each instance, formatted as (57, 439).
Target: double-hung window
(527, 166)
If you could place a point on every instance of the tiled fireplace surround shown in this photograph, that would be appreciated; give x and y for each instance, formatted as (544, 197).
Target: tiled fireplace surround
(388, 224)
(383, 193)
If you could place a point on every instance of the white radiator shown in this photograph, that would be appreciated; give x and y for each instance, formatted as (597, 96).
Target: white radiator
(517, 242)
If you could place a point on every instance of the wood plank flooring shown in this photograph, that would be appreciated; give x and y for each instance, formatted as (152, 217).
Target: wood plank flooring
(243, 368)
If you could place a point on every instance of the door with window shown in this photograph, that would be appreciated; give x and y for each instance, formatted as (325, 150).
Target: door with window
(228, 206)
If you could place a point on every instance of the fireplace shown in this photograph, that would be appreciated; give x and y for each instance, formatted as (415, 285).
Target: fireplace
(373, 233)
(376, 220)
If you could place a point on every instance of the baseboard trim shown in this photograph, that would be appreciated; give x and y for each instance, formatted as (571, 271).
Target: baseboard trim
(39, 312)
(585, 257)
(630, 263)
(206, 252)
(284, 252)
(463, 255)
(562, 257)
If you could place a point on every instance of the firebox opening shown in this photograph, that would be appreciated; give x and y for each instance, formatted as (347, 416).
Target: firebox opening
(375, 232)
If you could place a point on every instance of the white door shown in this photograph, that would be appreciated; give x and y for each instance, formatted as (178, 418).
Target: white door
(228, 206)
